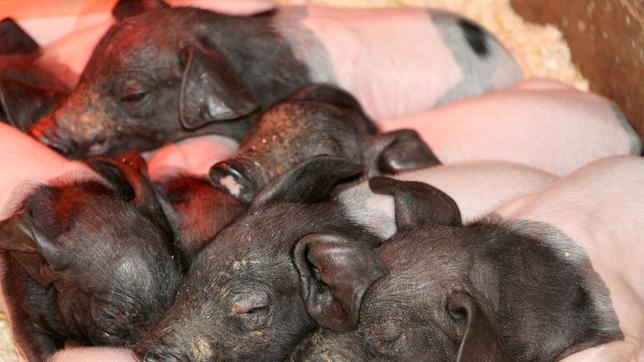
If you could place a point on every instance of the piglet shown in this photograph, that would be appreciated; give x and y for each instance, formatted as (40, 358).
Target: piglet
(541, 123)
(596, 213)
(489, 291)
(171, 73)
(68, 273)
(259, 284)
(316, 120)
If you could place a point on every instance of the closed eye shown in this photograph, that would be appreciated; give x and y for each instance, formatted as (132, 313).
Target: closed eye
(239, 310)
(134, 97)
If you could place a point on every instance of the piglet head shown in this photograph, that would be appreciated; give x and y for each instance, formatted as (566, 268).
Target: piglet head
(318, 119)
(151, 79)
(459, 293)
(105, 251)
(267, 279)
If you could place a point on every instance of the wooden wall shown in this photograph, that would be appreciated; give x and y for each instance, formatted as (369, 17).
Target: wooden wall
(606, 38)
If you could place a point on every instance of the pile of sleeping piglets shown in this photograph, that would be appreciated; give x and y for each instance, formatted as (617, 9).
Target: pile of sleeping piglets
(312, 184)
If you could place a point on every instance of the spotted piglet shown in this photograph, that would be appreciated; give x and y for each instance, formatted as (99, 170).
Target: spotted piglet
(172, 73)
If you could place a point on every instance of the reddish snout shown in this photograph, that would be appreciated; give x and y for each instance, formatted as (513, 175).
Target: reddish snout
(50, 133)
(77, 128)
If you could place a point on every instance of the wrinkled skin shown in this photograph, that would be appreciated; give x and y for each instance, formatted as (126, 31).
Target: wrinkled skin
(72, 275)
(260, 284)
(485, 292)
(197, 70)
(315, 120)
(27, 91)
(197, 212)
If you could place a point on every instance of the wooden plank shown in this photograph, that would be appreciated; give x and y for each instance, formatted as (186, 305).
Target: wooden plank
(606, 38)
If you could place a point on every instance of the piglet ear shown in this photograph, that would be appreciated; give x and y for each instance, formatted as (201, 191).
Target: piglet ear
(309, 182)
(14, 40)
(397, 151)
(21, 105)
(127, 175)
(18, 233)
(128, 8)
(335, 272)
(417, 203)
(210, 89)
(30, 245)
(480, 339)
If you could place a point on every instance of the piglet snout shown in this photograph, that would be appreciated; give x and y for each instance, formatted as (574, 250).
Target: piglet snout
(46, 132)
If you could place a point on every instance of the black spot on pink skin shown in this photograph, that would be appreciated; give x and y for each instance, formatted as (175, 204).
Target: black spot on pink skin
(475, 36)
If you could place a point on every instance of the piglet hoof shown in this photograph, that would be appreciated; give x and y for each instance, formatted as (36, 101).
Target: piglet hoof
(231, 177)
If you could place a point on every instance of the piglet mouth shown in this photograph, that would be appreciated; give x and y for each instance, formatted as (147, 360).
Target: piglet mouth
(52, 142)
(97, 149)
(46, 132)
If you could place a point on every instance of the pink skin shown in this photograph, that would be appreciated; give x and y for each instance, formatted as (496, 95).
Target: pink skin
(26, 161)
(600, 208)
(94, 354)
(478, 188)
(67, 56)
(193, 156)
(540, 123)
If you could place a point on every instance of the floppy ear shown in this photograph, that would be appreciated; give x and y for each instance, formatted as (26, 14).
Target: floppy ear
(335, 272)
(14, 40)
(417, 203)
(127, 8)
(309, 182)
(401, 150)
(30, 245)
(21, 105)
(210, 89)
(480, 339)
(127, 176)
(235, 177)
(335, 96)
